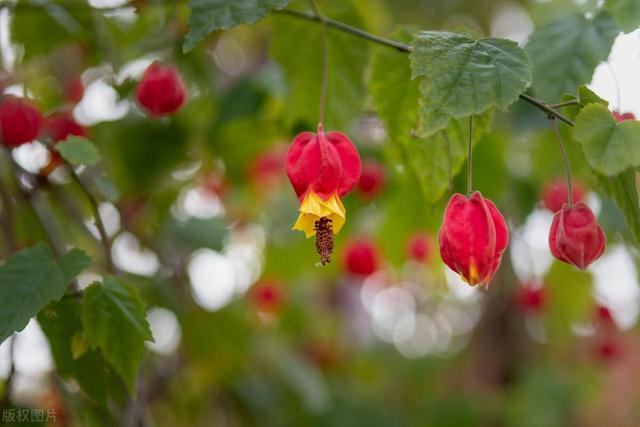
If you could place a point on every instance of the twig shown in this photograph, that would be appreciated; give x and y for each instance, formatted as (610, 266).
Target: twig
(545, 107)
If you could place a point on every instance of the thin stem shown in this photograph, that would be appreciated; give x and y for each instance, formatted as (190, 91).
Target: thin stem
(6, 220)
(545, 107)
(470, 160)
(617, 85)
(565, 103)
(402, 47)
(565, 158)
(325, 61)
(104, 237)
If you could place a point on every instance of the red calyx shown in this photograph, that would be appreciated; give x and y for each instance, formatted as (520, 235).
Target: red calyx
(324, 163)
(361, 257)
(473, 238)
(161, 91)
(575, 236)
(372, 179)
(531, 298)
(621, 117)
(20, 121)
(419, 246)
(267, 296)
(59, 126)
(556, 193)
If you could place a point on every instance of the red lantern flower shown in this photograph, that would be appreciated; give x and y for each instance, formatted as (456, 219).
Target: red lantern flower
(20, 121)
(59, 126)
(419, 246)
(161, 91)
(575, 236)
(531, 298)
(556, 193)
(473, 238)
(361, 257)
(621, 117)
(267, 296)
(322, 168)
(372, 179)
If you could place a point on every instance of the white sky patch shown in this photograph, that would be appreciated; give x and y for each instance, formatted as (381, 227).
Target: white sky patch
(529, 246)
(511, 21)
(100, 104)
(624, 62)
(130, 256)
(616, 285)
(212, 277)
(165, 330)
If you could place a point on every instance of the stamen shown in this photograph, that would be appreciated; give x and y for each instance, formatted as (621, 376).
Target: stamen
(324, 239)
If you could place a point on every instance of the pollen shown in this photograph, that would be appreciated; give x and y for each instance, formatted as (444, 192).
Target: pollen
(324, 239)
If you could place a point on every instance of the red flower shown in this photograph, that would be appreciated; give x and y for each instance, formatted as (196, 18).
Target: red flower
(59, 126)
(419, 246)
(161, 91)
(73, 90)
(575, 236)
(322, 168)
(266, 169)
(267, 296)
(621, 117)
(531, 298)
(361, 257)
(473, 237)
(20, 121)
(555, 194)
(372, 179)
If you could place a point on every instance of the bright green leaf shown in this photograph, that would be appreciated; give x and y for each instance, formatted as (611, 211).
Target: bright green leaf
(585, 97)
(77, 150)
(622, 189)
(114, 319)
(610, 147)
(210, 15)
(348, 57)
(625, 12)
(31, 279)
(566, 51)
(460, 75)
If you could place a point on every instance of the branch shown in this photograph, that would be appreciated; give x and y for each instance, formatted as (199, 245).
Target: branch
(402, 47)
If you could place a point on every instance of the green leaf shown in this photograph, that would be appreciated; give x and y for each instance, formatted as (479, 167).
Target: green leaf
(61, 323)
(114, 319)
(610, 147)
(436, 159)
(625, 12)
(348, 57)
(622, 189)
(585, 97)
(566, 51)
(31, 279)
(77, 150)
(461, 76)
(211, 15)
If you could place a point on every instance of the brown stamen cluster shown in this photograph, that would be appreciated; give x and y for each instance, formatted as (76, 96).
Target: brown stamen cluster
(324, 239)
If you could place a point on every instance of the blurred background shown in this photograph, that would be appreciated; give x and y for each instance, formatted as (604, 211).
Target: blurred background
(248, 328)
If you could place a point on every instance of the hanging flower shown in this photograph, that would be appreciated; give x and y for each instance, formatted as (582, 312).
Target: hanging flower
(556, 193)
(621, 117)
(372, 180)
(361, 257)
(322, 168)
(20, 121)
(473, 238)
(575, 236)
(161, 91)
(419, 246)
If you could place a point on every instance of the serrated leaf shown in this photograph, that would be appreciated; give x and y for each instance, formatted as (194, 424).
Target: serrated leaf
(77, 150)
(462, 76)
(566, 51)
(610, 147)
(625, 12)
(622, 189)
(114, 320)
(211, 15)
(60, 321)
(435, 159)
(348, 57)
(31, 279)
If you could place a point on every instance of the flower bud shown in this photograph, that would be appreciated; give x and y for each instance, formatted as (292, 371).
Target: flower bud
(556, 193)
(473, 238)
(20, 121)
(267, 296)
(322, 168)
(59, 126)
(372, 180)
(621, 117)
(531, 298)
(419, 246)
(575, 236)
(161, 91)
(361, 257)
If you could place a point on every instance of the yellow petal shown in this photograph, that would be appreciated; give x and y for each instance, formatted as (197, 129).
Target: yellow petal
(313, 208)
